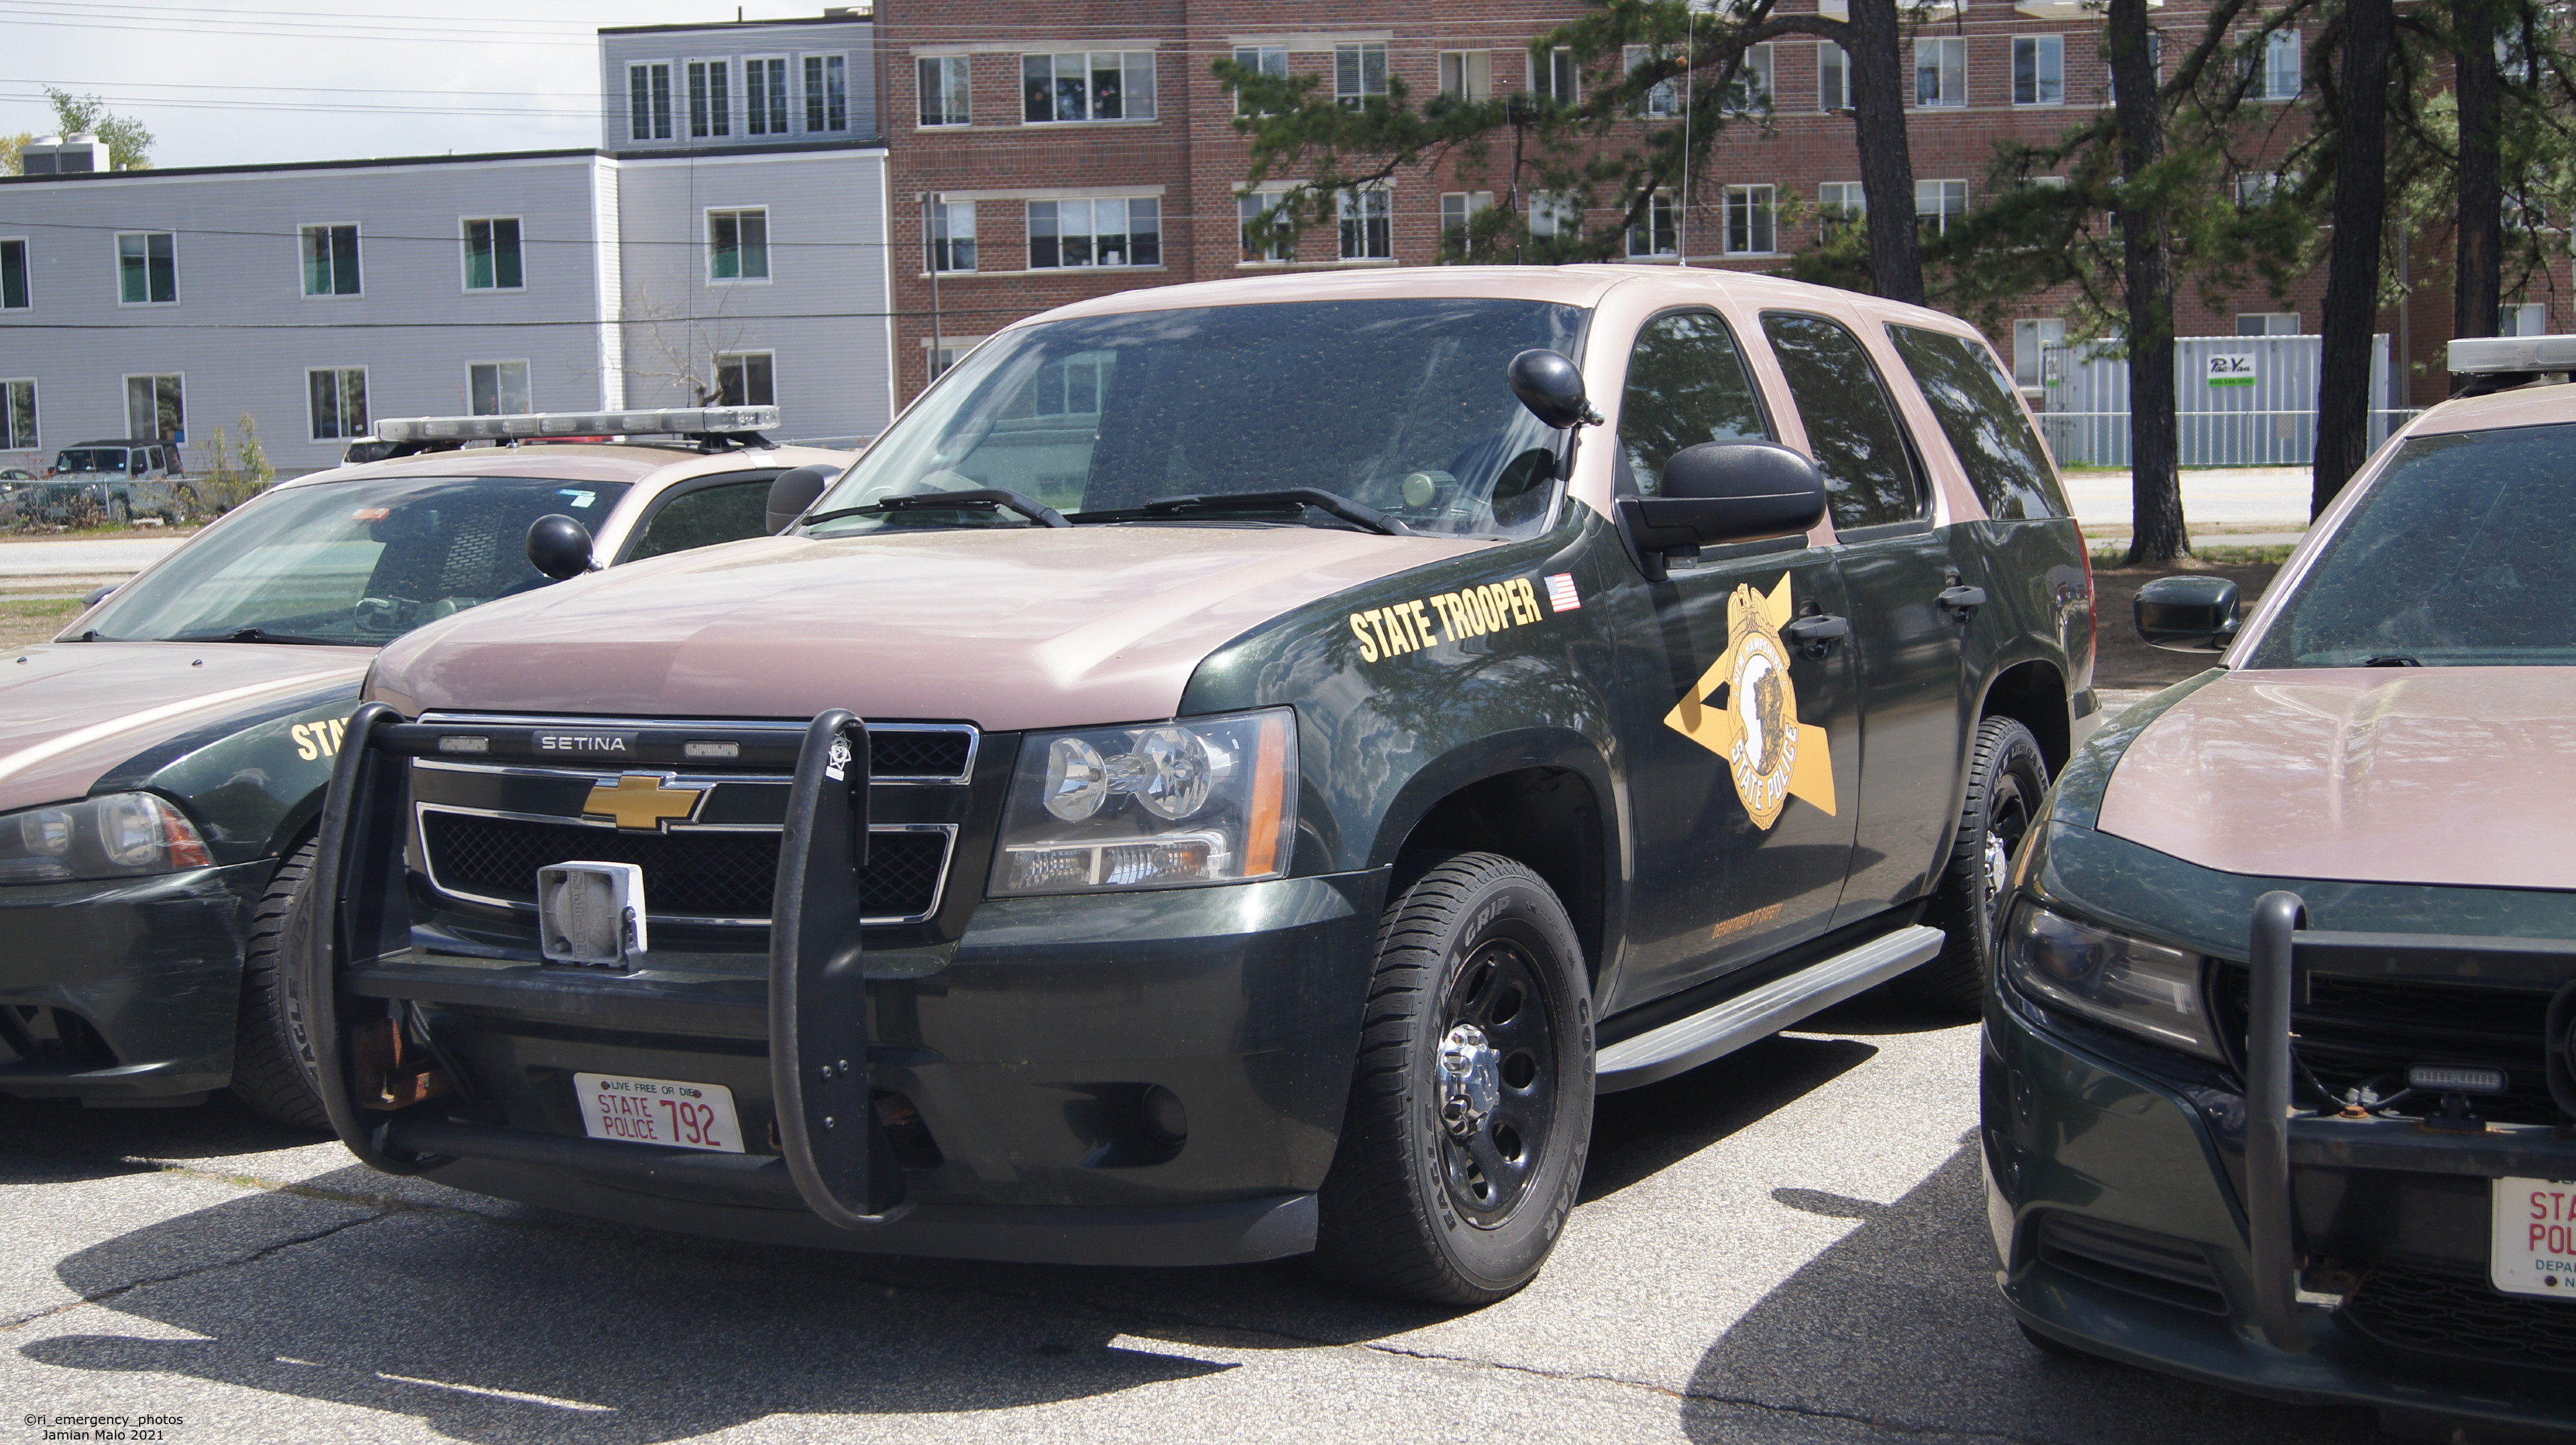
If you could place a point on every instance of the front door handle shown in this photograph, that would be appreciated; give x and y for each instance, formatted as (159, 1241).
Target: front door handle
(1816, 634)
(1962, 602)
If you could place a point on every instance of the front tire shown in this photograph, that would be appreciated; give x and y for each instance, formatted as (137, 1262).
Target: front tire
(1471, 1102)
(272, 1057)
(2007, 777)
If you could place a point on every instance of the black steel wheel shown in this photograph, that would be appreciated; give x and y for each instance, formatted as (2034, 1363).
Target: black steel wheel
(2007, 778)
(1471, 1103)
(272, 1056)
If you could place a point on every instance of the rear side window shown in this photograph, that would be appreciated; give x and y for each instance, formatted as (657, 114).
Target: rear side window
(1686, 385)
(705, 517)
(1859, 445)
(1988, 431)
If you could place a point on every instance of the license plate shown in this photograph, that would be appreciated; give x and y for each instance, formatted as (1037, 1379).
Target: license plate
(658, 1111)
(2533, 1250)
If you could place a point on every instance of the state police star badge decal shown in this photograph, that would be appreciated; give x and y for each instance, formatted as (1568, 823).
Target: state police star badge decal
(1745, 710)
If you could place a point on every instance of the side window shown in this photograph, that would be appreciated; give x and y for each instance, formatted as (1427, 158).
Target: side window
(1859, 444)
(705, 517)
(1686, 385)
(1984, 421)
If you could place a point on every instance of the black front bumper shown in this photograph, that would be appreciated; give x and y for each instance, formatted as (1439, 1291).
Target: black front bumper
(125, 991)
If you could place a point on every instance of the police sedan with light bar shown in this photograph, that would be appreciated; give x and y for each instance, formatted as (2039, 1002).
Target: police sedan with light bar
(163, 762)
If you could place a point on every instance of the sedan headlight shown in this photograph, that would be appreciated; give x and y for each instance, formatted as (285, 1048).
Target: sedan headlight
(2140, 987)
(119, 835)
(1164, 805)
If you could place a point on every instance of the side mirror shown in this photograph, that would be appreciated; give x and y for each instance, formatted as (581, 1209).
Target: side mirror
(1720, 492)
(1552, 388)
(2188, 614)
(792, 491)
(97, 595)
(560, 547)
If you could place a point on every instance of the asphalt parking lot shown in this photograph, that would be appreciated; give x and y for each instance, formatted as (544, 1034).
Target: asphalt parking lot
(1787, 1245)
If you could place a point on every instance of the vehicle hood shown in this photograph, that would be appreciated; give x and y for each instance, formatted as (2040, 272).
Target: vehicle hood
(71, 711)
(1006, 628)
(2440, 775)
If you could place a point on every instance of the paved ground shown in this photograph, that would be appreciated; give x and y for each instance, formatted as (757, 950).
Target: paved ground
(114, 557)
(2239, 506)
(1787, 1246)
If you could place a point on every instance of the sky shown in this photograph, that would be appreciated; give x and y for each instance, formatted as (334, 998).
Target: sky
(255, 83)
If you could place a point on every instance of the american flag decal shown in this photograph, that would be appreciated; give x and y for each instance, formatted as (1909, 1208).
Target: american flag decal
(1560, 593)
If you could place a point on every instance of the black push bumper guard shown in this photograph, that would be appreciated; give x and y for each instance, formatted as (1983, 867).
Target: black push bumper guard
(839, 1163)
(2284, 957)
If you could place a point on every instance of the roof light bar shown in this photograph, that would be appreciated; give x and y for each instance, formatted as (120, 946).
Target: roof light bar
(666, 421)
(2487, 355)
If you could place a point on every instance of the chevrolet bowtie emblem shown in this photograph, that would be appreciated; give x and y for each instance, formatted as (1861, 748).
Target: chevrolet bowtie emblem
(644, 801)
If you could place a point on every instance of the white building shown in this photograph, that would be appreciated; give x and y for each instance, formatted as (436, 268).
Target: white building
(727, 239)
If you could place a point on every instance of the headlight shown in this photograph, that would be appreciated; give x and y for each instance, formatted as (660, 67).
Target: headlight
(1205, 800)
(2131, 984)
(120, 835)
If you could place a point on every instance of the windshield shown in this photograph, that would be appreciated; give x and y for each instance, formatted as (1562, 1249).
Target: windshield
(1400, 405)
(359, 562)
(91, 459)
(2454, 559)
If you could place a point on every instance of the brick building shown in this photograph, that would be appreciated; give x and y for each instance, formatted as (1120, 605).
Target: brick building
(1082, 148)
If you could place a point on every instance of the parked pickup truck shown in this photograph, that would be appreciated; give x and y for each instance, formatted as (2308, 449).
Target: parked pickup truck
(1231, 773)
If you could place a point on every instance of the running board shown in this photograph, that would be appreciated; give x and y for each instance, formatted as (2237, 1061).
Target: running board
(1688, 1043)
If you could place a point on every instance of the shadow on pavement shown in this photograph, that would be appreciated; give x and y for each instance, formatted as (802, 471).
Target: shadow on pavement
(1639, 1133)
(220, 1127)
(1900, 1324)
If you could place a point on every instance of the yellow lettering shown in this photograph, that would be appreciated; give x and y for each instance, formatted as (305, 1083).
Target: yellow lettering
(1359, 629)
(1526, 600)
(1377, 623)
(339, 730)
(1448, 615)
(303, 743)
(1422, 622)
(1484, 610)
(1399, 627)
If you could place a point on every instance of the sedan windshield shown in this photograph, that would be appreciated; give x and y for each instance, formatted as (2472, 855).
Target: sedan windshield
(356, 563)
(2454, 559)
(1401, 406)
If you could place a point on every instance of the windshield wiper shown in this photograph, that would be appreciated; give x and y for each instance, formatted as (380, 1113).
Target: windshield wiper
(1331, 504)
(2392, 659)
(261, 634)
(998, 499)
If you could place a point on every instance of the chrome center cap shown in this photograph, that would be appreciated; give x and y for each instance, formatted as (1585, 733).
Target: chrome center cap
(1470, 1080)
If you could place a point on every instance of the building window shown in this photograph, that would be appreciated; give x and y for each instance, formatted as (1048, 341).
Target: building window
(492, 255)
(2155, 65)
(156, 406)
(1359, 72)
(18, 416)
(1941, 71)
(944, 90)
(2031, 340)
(1553, 213)
(947, 354)
(330, 260)
(2529, 318)
(952, 235)
(1115, 232)
(1840, 206)
(1458, 213)
(2257, 188)
(1656, 235)
(1663, 99)
(1367, 226)
(1262, 60)
(1467, 75)
(738, 245)
(764, 92)
(710, 98)
(147, 268)
(2280, 80)
(1937, 204)
(2267, 323)
(1097, 85)
(1751, 90)
(1250, 211)
(1833, 77)
(496, 388)
(2039, 70)
(827, 93)
(1554, 77)
(746, 378)
(339, 402)
(648, 101)
(13, 275)
(1750, 220)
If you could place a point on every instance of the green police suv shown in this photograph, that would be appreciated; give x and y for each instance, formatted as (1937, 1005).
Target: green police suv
(1230, 773)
